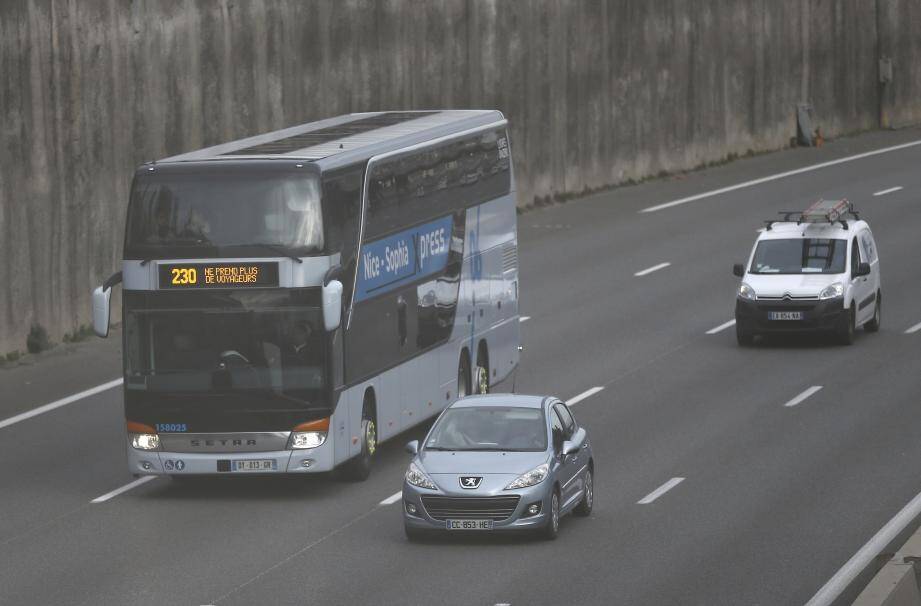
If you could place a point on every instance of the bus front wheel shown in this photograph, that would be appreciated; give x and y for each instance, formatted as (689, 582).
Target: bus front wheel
(359, 468)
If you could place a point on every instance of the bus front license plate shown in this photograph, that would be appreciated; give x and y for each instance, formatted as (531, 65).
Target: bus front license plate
(254, 465)
(469, 524)
(785, 315)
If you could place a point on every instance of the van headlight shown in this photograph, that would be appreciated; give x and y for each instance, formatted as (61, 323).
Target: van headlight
(531, 478)
(832, 290)
(145, 441)
(747, 292)
(307, 439)
(417, 477)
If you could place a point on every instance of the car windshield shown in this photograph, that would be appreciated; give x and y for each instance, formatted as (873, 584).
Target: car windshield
(800, 256)
(201, 214)
(488, 428)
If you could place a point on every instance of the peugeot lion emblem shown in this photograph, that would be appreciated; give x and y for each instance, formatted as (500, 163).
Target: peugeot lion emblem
(470, 481)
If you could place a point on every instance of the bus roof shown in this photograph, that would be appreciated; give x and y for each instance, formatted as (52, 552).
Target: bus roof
(346, 139)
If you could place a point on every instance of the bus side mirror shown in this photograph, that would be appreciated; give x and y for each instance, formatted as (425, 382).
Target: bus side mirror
(101, 308)
(332, 305)
(738, 270)
(102, 298)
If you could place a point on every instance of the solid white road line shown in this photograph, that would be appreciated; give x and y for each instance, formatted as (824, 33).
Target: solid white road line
(649, 270)
(846, 575)
(777, 176)
(125, 488)
(524, 318)
(721, 327)
(585, 394)
(803, 396)
(888, 191)
(392, 498)
(914, 328)
(58, 403)
(661, 490)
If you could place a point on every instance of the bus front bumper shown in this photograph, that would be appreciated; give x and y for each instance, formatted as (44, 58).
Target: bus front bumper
(152, 462)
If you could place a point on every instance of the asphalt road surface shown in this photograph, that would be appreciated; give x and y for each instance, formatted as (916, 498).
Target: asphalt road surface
(709, 490)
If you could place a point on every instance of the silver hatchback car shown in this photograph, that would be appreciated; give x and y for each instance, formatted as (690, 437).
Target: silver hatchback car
(499, 462)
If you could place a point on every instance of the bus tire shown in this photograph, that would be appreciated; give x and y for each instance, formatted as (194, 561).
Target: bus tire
(463, 375)
(359, 468)
(481, 372)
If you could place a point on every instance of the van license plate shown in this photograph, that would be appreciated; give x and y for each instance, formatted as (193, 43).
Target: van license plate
(785, 315)
(469, 524)
(254, 465)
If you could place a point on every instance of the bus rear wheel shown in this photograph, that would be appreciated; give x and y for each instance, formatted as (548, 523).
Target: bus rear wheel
(463, 376)
(481, 373)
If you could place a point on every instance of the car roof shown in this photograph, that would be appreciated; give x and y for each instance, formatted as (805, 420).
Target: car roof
(501, 399)
(783, 230)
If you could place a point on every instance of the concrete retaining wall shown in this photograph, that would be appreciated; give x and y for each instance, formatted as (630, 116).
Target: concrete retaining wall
(598, 93)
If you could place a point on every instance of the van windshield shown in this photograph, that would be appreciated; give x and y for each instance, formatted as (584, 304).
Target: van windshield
(800, 256)
(212, 214)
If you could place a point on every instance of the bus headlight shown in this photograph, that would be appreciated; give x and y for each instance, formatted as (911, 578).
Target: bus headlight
(307, 439)
(145, 441)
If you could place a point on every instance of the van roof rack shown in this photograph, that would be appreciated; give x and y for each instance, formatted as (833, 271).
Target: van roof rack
(822, 211)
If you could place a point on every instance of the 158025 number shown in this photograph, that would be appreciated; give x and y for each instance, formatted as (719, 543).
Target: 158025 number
(185, 275)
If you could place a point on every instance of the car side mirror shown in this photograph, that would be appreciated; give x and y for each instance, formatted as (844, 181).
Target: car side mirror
(863, 270)
(738, 270)
(332, 305)
(575, 444)
(412, 447)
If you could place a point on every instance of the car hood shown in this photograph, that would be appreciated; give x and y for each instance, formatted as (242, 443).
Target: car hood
(795, 285)
(517, 463)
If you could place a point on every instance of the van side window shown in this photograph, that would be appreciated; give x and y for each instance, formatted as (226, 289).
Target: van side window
(855, 256)
(867, 247)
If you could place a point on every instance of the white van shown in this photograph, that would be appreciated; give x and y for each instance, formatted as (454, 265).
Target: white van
(816, 270)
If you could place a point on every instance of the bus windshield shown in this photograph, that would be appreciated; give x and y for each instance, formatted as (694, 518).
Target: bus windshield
(174, 215)
(243, 343)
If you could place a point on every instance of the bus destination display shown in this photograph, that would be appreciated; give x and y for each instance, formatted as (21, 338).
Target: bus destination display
(218, 275)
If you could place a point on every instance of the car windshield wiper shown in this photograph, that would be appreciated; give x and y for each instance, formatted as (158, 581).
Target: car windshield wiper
(278, 248)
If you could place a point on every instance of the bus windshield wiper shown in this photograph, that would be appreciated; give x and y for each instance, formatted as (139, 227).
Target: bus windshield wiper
(278, 248)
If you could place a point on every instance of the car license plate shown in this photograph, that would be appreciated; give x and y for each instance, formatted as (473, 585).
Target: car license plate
(469, 524)
(253, 465)
(785, 315)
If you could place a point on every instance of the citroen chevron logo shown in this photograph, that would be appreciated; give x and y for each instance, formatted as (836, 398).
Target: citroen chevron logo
(470, 482)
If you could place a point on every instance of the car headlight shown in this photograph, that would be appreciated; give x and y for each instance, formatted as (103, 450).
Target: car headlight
(832, 290)
(746, 291)
(535, 476)
(307, 439)
(417, 477)
(145, 441)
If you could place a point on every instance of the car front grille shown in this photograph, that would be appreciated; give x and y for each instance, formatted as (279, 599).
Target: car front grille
(474, 508)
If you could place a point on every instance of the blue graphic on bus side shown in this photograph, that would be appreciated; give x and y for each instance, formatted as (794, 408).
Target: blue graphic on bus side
(404, 257)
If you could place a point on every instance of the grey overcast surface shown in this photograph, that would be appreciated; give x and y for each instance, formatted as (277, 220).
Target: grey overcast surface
(774, 499)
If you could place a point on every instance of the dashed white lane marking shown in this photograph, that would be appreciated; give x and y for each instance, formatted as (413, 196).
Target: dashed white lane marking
(392, 498)
(798, 399)
(649, 270)
(585, 394)
(891, 190)
(125, 488)
(721, 327)
(860, 560)
(58, 403)
(661, 490)
(524, 318)
(777, 176)
(913, 329)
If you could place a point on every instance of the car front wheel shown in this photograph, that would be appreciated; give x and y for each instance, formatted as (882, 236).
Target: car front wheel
(552, 527)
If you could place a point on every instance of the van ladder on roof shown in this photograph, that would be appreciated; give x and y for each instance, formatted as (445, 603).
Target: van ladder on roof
(823, 211)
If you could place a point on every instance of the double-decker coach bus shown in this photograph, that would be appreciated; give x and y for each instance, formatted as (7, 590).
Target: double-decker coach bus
(291, 299)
